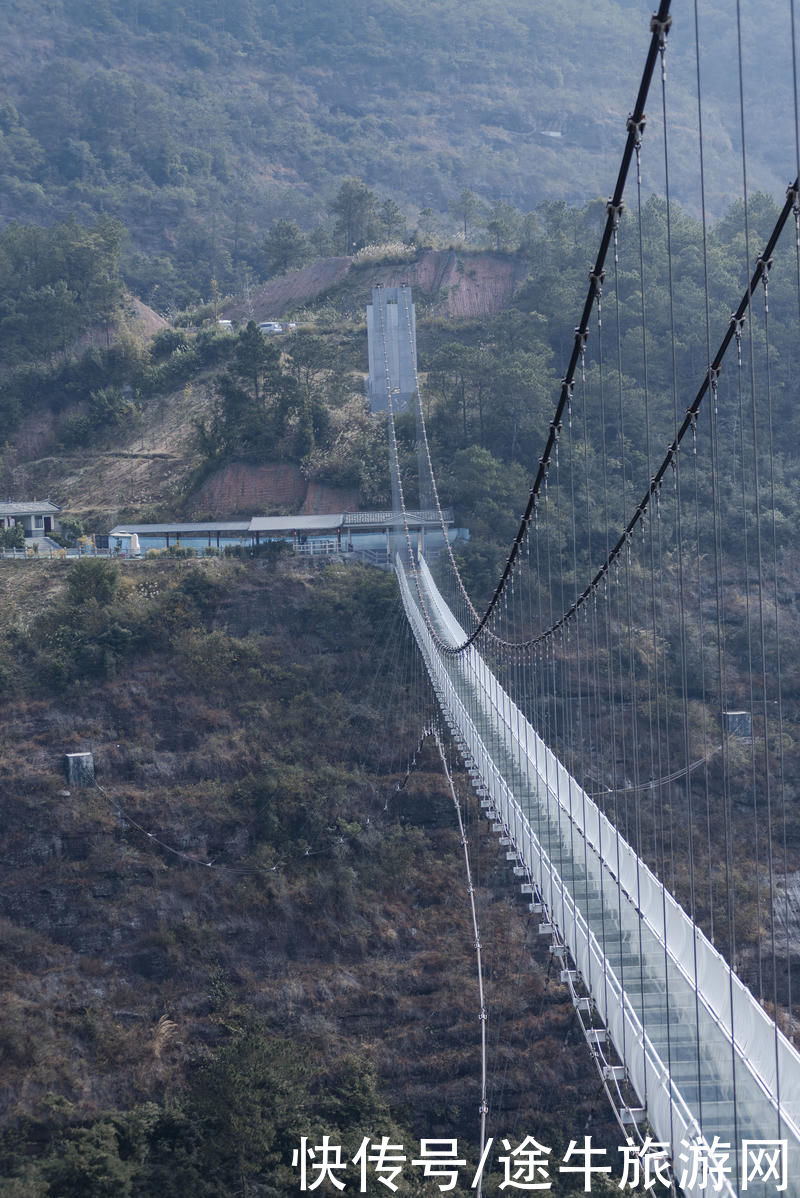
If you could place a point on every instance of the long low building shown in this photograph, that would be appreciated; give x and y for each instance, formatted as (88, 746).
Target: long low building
(330, 532)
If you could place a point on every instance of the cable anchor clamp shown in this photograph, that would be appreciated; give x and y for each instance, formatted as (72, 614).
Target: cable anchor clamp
(598, 278)
(713, 380)
(662, 28)
(615, 212)
(581, 336)
(636, 128)
(738, 325)
(793, 196)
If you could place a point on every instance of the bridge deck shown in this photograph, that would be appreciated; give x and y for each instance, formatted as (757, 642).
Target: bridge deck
(697, 1047)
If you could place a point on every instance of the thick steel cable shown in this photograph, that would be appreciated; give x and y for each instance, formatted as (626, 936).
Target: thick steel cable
(659, 26)
(667, 462)
(690, 821)
(689, 420)
(707, 313)
(484, 1108)
(776, 607)
(765, 262)
(707, 382)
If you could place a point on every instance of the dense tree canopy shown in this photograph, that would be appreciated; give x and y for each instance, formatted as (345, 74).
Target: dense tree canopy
(201, 128)
(54, 284)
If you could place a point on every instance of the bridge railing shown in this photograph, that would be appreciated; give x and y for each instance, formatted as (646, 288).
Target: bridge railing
(649, 1074)
(762, 1069)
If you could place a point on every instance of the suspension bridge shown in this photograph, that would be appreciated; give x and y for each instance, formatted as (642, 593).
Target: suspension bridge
(591, 698)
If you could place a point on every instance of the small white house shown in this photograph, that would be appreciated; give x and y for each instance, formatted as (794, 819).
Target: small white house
(38, 518)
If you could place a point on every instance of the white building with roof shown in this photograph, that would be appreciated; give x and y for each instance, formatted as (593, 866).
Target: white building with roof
(326, 532)
(38, 517)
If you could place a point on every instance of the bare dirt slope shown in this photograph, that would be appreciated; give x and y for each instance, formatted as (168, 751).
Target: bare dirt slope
(152, 465)
(468, 285)
(290, 291)
(241, 487)
(456, 284)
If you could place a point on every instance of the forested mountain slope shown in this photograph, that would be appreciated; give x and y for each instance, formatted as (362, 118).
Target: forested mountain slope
(171, 1027)
(198, 126)
(259, 928)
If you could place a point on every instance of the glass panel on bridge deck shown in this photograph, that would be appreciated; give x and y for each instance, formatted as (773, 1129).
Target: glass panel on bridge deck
(678, 1028)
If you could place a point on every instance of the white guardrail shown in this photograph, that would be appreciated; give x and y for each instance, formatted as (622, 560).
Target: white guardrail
(766, 1064)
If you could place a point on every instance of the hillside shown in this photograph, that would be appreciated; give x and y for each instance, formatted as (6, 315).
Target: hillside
(199, 128)
(448, 283)
(256, 929)
(154, 462)
(324, 953)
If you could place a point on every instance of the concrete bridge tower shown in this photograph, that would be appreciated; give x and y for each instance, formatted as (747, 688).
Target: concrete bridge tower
(391, 322)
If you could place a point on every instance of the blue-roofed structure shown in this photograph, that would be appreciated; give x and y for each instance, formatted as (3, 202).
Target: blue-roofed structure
(328, 532)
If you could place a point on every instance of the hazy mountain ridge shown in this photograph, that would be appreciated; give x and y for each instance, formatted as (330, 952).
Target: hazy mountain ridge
(199, 127)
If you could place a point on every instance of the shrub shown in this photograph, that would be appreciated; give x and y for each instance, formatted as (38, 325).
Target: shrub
(166, 341)
(92, 578)
(75, 430)
(72, 530)
(389, 251)
(12, 538)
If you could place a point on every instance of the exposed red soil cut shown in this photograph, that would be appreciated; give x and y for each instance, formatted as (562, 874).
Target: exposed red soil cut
(248, 489)
(458, 284)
